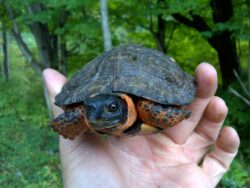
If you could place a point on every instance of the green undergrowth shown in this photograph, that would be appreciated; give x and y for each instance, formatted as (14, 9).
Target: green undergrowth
(28, 148)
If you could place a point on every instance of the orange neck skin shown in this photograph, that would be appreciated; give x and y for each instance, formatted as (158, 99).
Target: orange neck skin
(131, 116)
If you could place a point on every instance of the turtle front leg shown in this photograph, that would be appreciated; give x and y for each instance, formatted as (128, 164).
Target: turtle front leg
(71, 123)
(159, 115)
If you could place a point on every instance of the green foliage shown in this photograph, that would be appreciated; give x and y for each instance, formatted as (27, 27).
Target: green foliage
(28, 148)
(189, 49)
(237, 177)
(238, 117)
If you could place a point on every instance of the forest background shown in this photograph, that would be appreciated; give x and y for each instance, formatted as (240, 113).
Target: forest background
(65, 35)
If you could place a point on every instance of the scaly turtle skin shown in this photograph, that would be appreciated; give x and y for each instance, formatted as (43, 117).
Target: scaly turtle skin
(130, 90)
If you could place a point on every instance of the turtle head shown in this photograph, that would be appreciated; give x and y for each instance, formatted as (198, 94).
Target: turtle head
(106, 111)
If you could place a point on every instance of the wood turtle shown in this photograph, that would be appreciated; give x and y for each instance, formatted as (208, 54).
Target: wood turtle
(129, 90)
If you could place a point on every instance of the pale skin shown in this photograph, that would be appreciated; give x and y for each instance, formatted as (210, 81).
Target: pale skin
(195, 153)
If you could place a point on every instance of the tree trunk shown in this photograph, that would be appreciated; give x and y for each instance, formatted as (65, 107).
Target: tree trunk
(105, 25)
(6, 54)
(63, 56)
(227, 55)
(221, 41)
(28, 55)
(21, 44)
(54, 47)
(160, 33)
(63, 52)
(1, 64)
(43, 42)
(248, 73)
(161, 29)
(46, 42)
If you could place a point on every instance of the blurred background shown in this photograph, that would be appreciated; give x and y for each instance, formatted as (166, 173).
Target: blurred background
(66, 34)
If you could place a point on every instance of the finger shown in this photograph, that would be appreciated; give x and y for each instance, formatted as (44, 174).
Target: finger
(54, 82)
(206, 79)
(211, 123)
(217, 162)
(208, 128)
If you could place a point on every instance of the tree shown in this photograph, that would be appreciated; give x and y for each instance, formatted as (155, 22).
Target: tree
(61, 29)
(5, 53)
(1, 72)
(221, 40)
(47, 42)
(44, 43)
(213, 19)
(105, 25)
(4, 67)
(65, 29)
(21, 43)
(248, 62)
(50, 22)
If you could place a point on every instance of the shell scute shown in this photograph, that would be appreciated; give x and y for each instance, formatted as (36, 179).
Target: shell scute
(131, 69)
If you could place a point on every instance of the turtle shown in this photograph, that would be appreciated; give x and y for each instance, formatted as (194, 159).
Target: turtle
(127, 91)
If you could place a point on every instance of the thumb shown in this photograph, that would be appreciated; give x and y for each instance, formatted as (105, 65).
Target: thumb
(54, 82)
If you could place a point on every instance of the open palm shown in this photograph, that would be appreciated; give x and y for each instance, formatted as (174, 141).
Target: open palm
(195, 153)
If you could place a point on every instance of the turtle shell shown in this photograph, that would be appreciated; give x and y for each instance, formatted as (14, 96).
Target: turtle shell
(131, 69)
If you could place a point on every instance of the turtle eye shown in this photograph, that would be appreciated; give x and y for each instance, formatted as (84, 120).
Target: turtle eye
(113, 107)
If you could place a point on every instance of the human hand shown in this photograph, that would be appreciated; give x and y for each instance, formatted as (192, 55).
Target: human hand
(178, 157)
